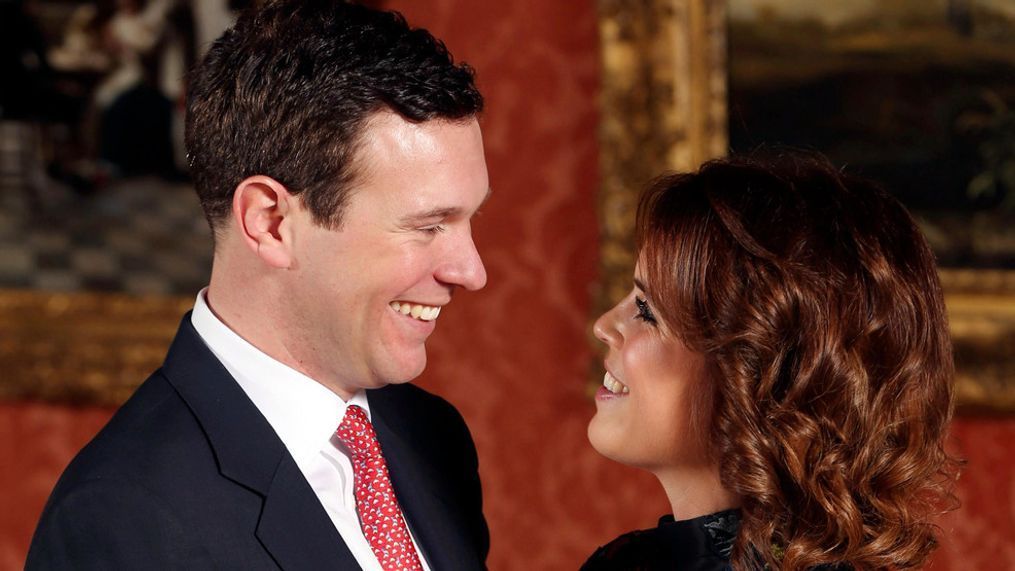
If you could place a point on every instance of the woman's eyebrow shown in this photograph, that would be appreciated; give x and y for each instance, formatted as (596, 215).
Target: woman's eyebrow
(641, 286)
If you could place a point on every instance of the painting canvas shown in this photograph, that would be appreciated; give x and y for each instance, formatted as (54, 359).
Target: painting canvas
(917, 94)
(93, 193)
(103, 242)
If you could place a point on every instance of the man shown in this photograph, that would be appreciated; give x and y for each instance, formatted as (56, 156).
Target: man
(339, 162)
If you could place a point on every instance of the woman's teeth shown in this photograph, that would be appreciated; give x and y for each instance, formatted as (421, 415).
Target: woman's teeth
(420, 312)
(614, 386)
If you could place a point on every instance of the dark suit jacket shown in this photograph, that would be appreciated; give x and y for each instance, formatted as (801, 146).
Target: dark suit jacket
(189, 475)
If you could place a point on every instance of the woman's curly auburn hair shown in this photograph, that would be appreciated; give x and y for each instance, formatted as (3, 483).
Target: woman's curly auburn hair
(816, 302)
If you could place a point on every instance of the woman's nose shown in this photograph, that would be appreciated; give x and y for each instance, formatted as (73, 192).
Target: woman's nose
(604, 328)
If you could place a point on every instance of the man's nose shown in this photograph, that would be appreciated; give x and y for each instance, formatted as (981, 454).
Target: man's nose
(466, 268)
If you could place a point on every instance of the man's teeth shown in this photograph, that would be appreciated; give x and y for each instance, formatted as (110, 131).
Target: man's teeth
(614, 386)
(420, 312)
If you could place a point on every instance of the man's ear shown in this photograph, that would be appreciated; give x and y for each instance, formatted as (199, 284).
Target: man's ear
(263, 211)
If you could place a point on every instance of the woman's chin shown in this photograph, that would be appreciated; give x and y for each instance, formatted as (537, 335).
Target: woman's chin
(605, 438)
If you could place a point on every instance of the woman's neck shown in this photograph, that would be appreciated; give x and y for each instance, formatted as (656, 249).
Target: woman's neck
(695, 492)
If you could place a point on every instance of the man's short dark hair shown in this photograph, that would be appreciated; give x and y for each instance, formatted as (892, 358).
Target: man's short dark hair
(286, 92)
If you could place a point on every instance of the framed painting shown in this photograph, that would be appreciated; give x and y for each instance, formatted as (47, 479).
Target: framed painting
(917, 95)
(103, 243)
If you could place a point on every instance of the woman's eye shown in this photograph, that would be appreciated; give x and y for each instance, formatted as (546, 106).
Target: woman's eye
(644, 311)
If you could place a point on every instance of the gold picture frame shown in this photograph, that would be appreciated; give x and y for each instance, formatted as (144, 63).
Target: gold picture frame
(82, 348)
(663, 108)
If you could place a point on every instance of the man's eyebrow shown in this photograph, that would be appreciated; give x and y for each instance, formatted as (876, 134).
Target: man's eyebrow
(433, 214)
(439, 213)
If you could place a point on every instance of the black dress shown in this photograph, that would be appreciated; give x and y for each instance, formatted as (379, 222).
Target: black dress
(700, 544)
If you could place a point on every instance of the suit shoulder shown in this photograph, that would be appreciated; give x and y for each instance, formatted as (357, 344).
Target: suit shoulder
(123, 489)
(144, 439)
(103, 523)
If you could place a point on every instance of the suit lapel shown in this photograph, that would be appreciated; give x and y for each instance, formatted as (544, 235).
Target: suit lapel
(421, 495)
(296, 529)
(293, 527)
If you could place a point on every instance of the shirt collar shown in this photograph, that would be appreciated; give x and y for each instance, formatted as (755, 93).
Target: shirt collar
(304, 413)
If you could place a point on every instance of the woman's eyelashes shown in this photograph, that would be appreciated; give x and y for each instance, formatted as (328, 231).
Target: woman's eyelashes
(644, 311)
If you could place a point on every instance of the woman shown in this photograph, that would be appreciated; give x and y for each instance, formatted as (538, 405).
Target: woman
(782, 365)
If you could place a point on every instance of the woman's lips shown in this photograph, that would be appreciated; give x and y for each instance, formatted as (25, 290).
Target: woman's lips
(611, 388)
(611, 384)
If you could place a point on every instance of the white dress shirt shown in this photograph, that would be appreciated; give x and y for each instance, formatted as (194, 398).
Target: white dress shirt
(305, 416)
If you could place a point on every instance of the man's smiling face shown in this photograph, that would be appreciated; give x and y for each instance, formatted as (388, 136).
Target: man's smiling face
(365, 296)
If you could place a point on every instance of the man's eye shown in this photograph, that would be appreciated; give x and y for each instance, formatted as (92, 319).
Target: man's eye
(435, 229)
(644, 311)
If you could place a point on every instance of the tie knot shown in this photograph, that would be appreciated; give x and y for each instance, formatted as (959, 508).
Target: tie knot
(357, 434)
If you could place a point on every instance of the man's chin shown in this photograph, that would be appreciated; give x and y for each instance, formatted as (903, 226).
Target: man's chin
(404, 371)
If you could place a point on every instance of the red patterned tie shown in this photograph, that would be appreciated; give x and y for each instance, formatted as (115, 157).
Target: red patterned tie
(379, 514)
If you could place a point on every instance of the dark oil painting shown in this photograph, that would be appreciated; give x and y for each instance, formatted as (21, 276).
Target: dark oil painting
(918, 94)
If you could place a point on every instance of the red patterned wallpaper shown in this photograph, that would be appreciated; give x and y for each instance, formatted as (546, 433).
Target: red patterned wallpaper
(514, 357)
(981, 533)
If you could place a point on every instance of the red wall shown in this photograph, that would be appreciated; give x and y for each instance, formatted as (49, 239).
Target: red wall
(981, 534)
(515, 356)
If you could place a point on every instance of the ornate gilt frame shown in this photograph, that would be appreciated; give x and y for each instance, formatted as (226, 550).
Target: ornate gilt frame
(664, 108)
(82, 348)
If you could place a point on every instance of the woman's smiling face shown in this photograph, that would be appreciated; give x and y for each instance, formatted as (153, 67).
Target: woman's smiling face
(653, 408)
